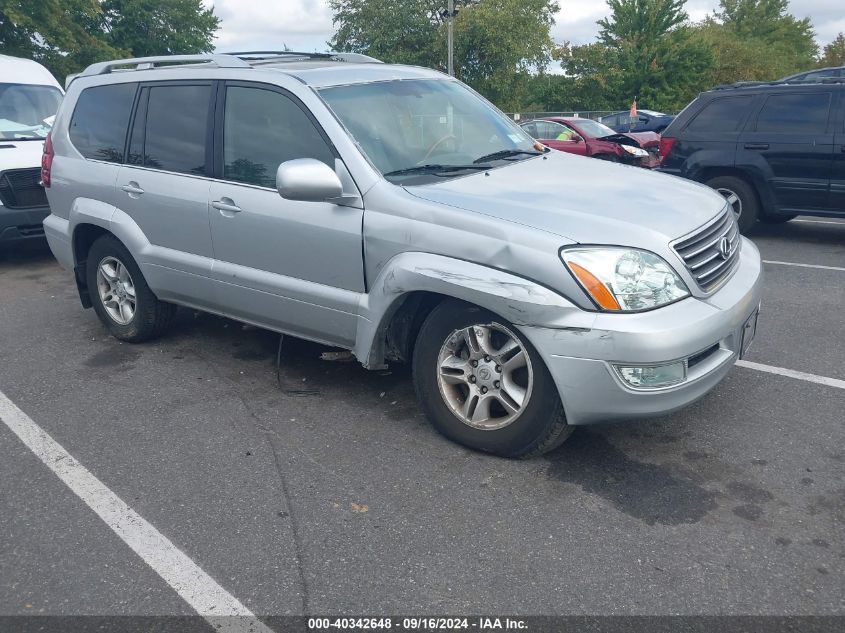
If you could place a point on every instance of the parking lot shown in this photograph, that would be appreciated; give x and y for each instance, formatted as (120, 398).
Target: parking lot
(320, 488)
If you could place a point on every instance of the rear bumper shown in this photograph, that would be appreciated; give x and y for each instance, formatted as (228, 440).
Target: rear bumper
(582, 361)
(22, 225)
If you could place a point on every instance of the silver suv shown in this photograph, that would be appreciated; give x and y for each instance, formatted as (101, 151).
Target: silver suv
(392, 211)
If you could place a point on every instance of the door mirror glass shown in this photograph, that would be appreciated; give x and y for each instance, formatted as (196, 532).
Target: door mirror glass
(307, 180)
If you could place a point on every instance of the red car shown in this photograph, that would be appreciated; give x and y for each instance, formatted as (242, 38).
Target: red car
(591, 138)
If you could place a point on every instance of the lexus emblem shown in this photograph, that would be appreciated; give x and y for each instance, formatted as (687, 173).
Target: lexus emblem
(724, 248)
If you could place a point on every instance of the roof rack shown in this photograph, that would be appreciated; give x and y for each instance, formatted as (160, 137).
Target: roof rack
(782, 82)
(146, 63)
(280, 55)
(274, 56)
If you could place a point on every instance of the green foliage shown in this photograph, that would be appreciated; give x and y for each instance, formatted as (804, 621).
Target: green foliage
(646, 49)
(497, 42)
(67, 35)
(758, 40)
(834, 53)
(159, 27)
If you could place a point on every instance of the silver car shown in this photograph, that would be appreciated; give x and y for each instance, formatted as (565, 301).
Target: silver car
(392, 211)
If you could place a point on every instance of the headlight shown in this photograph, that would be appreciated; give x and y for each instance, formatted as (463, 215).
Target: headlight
(636, 151)
(624, 279)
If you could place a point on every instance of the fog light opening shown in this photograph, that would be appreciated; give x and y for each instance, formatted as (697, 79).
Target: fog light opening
(653, 376)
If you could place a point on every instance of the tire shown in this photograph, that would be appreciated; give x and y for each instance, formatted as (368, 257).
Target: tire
(777, 219)
(748, 207)
(537, 427)
(149, 318)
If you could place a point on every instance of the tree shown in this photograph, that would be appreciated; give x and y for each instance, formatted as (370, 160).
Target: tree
(646, 49)
(159, 27)
(61, 34)
(834, 53)
(67, 35)
(768, 23)
(497, 42)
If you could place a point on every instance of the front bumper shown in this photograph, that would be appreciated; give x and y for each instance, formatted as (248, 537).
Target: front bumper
(581, 360)
(22, 225)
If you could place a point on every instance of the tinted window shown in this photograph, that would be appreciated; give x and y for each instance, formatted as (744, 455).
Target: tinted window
(99, 121)
(795, 113)
(177, 124)
(720, 116)
(261, 130)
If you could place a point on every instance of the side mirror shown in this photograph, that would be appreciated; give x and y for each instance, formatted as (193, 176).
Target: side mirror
(577, 138)
(307, 180)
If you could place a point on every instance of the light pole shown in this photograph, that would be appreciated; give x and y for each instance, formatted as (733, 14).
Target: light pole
(450, 39)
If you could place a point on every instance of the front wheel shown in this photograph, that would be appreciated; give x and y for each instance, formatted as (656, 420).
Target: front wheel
(483, 385)
(741, 197)
(121, 297)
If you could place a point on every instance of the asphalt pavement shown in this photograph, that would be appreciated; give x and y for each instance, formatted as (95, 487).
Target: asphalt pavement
(320, 487)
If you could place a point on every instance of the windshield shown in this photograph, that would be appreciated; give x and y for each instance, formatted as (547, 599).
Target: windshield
(594, 128)
(417, 126)
(27, 111)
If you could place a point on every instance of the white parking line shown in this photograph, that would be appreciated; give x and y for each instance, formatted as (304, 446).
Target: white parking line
(791, 373)
(770, 261)
(820, 222)
(217, 606)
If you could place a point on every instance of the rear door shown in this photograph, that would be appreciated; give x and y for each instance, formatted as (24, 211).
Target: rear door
(164, 187)
(791, 142)
(837, 176)
(289, 265)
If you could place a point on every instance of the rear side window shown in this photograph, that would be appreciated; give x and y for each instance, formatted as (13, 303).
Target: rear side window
(99, 121)
(177, 124)
(795, 113)
(261, 130)
(721, 116)
(170, 129)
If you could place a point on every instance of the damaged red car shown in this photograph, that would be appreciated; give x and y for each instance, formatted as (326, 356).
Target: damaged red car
(591, 138)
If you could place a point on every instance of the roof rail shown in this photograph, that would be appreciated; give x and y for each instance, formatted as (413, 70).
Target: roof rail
(782, 82)
(146, 63)
(275, 55)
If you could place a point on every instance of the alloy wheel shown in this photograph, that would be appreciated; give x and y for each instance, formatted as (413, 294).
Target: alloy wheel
(485, 376)
(116, 290)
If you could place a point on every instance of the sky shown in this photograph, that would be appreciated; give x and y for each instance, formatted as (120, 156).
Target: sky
(306, 25)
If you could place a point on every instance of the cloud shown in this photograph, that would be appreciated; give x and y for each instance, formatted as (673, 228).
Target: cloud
(307, 24)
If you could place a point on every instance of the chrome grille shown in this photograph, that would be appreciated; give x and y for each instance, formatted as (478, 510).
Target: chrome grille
(702, 252)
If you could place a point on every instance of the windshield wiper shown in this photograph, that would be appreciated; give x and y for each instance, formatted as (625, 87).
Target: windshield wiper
(435, 168)
(506, 153)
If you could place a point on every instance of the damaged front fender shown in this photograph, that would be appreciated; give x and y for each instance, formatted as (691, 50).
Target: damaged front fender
(518, 300)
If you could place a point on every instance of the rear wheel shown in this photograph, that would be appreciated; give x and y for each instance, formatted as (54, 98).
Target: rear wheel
(483, 385)
(121, 297)
(741, 197)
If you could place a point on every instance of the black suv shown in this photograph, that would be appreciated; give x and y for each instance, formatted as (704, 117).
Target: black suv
(774, 150)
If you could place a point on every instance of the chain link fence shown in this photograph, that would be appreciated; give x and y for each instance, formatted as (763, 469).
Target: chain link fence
(584, 114)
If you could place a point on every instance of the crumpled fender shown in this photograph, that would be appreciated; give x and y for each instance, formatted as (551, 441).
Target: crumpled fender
(516, 299)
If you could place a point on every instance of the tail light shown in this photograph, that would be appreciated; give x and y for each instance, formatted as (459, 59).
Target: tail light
(47, 161)
(666, 144)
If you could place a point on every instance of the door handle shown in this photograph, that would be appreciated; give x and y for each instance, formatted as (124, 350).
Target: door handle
(842, 149)
(226, 204)
(132, 188)
(756, 146)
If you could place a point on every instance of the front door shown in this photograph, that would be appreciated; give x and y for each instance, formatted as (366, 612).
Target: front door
(562, 137)
(794, 138)
(292, 266)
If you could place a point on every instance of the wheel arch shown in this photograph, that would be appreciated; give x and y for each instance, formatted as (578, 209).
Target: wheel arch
(410, 285)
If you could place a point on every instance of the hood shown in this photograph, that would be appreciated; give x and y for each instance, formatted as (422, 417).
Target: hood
(583, 199)
(640, 139)
(20, 154)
